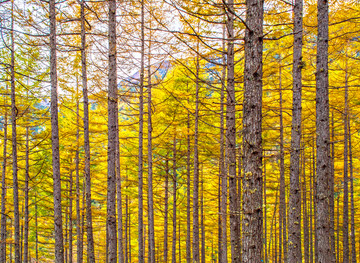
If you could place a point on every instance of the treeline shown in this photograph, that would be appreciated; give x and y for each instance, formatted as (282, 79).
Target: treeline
(182, 131)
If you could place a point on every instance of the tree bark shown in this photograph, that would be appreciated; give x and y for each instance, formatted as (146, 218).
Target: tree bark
(353, 242)
(331, 185)
(223, 173)
(59, 243)
(89, 228)
(252, 141)
(14, 143)
(79, 232)
(27, 178)
(3, 192)
(141, 120)
(295, 191)
(196, 242)
(150, 167)
(323, 163)
(231, 137)
(173, 258)
(346, 250)
(188, 195)
(166, 213)
(112, 137)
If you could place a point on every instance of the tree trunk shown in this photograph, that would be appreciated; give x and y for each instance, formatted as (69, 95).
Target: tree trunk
(346, 250)
(79, 234)
(119, 198)
(89, 228)
(252, 141)
(331, 185)
(282, 210)
(353, 242)
(140, 164)
(173, 258)
(27, 178)
(188, 195)
(231, 137)
(196, 244)
(323, 163)
(3, 192)
(305, 211)
(166, 210)
(112, 136)
(71, 221)
(223, 173)
(295, 193)
(203, 255)
(14, 112)
(265, 213)
(150, 168)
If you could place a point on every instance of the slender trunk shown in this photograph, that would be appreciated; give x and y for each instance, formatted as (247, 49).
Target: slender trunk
(27, 178)
(353, 242)
(223, 174)
(202, 220)
(126, 220)
(305, 211)
(89, 228)
(338, 231)
(14, 112)
(173, 259)
(119, 199)
(282, 210)
(150, 168)
(66, 225)
(311, 205)
(252, 141)
(196, 245)
(166, 201)
(323, 164)
(79, 240)
(346, 251)
(3, 192)
(188, 195)
(295, 193)
(140, 164)
(71, 221)
(36, 231)
(265, 212)
(331, 185)
(231, 137)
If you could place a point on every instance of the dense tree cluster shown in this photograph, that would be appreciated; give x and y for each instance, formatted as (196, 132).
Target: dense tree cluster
(182, 131)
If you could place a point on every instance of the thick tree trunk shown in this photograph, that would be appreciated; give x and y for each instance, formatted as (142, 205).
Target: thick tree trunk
(323, 163)
(295, 193)
(59, 243)
(89, 228)
(3, 192)
(252, 183)
(231, 137)
(305, 211)
(112, 137)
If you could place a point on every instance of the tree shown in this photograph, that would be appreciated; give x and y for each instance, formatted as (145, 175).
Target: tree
(252, 149)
